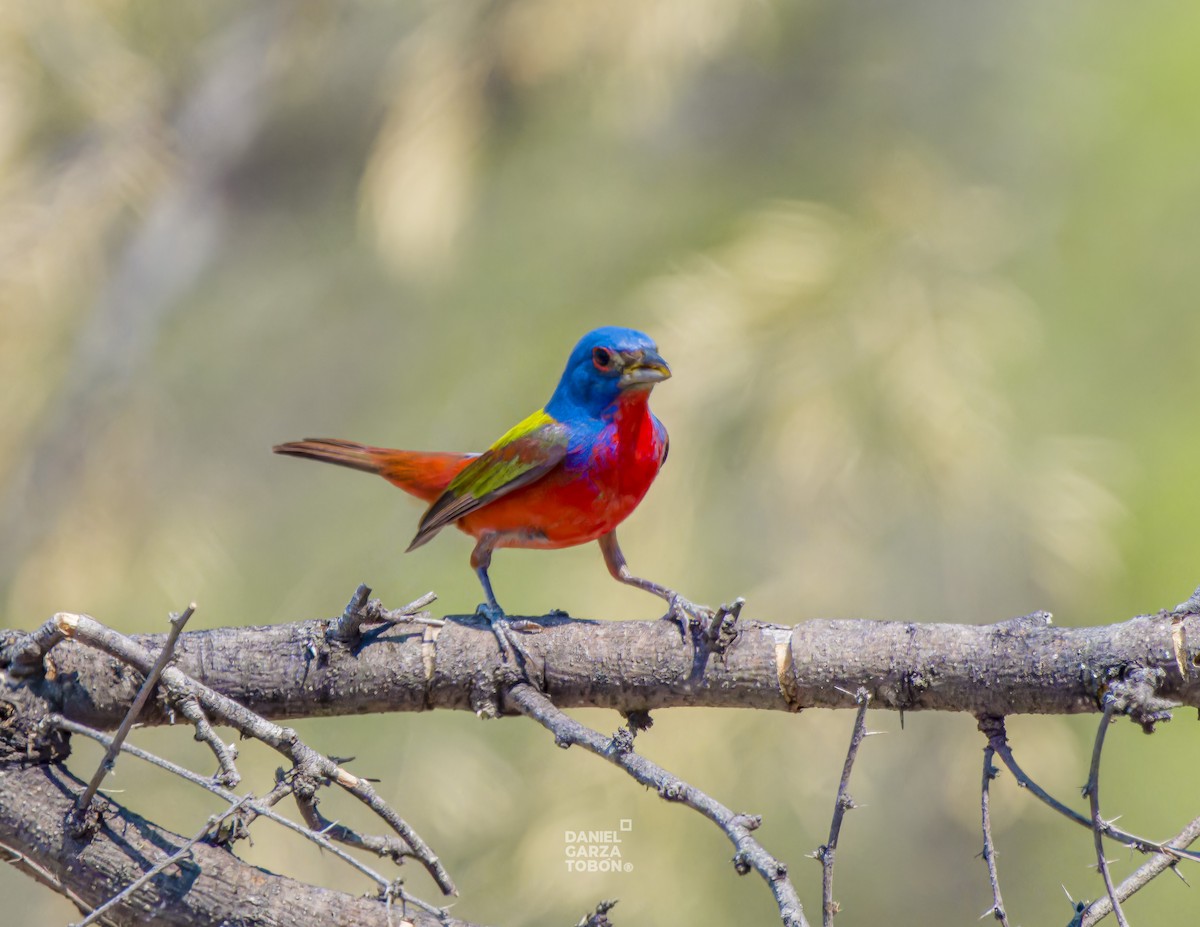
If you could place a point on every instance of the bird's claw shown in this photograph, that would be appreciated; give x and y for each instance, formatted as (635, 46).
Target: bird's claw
(684, 613)
(717, 627)
(503, 628)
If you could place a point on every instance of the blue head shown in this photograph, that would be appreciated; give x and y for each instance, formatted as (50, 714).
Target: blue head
(606, 363)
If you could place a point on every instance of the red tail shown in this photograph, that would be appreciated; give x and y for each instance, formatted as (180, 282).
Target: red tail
(424, 474)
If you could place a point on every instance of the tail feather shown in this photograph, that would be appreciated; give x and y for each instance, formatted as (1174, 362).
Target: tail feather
(424, 474)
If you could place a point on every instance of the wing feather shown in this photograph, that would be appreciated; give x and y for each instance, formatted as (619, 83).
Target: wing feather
(522, 455)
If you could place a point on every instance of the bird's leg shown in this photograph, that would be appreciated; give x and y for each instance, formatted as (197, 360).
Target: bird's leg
(681, 610)
(481, 559)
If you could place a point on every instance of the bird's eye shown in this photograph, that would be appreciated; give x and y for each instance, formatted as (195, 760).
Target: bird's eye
(602, 358)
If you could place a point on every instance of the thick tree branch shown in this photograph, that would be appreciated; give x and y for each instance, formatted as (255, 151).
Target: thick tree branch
(303, 670)
(215, 887)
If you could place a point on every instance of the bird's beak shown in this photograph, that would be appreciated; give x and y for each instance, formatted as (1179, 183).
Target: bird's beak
(644, 369)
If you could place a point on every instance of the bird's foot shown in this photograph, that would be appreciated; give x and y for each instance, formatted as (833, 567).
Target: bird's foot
(503, 628)
(685, 613)
(717, 627)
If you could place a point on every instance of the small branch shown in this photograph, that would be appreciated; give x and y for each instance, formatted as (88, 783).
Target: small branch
(349, 626)
(842, 803)
(161, 866)
(226, 754)
(164, 657)
(381, 845)
(359, 611)
(994, 728)
(36, 801)
(1147, 872)
(240, 828)
(719, 632)
(306, 760)
(749, 853)
(989, 848)
(24, 656)
(260, 808)
(599, 917)
(1099, 826)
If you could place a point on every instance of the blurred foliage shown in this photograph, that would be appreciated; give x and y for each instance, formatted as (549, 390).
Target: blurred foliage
(925, 273)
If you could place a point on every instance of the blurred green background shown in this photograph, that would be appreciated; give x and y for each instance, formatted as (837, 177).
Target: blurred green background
(926, 274)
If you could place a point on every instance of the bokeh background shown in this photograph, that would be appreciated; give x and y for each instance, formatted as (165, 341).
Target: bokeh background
(927, 276)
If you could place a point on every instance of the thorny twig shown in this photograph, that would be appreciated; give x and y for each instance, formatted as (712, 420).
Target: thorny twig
(989, 847)
(91, 632)
(842, 803)
(259, 808)
(304, 790)
(1144, 874)
(1099, 825)
(239, 827)
(737, 827)
(994, 729)
(164, 657)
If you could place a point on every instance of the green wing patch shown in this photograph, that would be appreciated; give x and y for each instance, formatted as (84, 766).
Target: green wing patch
(524, 453)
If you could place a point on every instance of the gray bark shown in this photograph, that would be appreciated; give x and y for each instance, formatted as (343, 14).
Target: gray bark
(215, 887)
(1021, 666)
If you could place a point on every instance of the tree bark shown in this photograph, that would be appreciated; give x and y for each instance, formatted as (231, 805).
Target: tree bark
(1020, 666)
(215, 887)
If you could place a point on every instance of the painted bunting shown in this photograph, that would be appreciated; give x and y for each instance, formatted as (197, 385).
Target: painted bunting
(568, 474)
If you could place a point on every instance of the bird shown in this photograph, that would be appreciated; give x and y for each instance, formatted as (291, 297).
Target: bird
(567, 474)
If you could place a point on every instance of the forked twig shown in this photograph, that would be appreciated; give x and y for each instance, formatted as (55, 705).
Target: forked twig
(989, 847)
(1099, 826)
(1144, 874)
(362, 609)
(304, 791)
(749, 853)
(226, 754)
(135, 710)
(259, 808)
(842, 803)
(994, 729)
